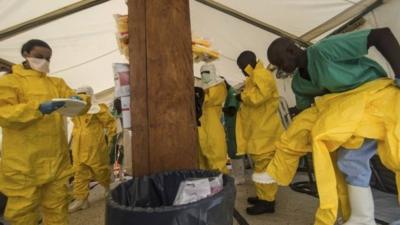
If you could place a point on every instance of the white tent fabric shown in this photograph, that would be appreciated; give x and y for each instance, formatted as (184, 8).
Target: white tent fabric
(293, 16)
(84, 43)
(18, 11)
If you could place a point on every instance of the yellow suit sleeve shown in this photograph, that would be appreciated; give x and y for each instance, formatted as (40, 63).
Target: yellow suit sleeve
(108, 121)
(13, 113)
(259, 88)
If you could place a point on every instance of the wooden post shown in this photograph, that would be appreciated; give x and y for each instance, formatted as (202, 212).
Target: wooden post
(163, 115)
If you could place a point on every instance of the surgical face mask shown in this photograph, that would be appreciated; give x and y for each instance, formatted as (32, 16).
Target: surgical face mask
(206, 77)
(281, 74)
(41, 65)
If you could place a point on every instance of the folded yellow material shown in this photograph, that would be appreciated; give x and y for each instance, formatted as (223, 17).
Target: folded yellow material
(202, 53)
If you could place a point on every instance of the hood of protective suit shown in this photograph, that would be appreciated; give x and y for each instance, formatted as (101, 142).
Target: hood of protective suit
(209, 76)
(85, 89)
(95, 108)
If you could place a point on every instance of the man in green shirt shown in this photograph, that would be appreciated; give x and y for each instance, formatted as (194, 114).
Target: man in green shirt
(338, 64)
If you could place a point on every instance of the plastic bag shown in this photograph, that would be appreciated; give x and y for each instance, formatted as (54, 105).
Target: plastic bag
(149, 200)
(193, 190)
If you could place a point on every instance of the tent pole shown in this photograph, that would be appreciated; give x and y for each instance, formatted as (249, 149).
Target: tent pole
(164, 131)
(5, 66)
(359, 9)
(357, 19)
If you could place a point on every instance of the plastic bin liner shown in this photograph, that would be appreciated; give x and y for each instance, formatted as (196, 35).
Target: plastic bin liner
(3, 201)
(148, 201)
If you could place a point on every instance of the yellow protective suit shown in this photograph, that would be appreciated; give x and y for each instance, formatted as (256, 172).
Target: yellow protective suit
(343, 119)
(258, 124)
(213, 149)
(90, 149)
(35, 164)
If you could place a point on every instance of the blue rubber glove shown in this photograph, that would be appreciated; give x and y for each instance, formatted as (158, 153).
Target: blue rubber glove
(76, 97)
(49, 107)
(397, 82)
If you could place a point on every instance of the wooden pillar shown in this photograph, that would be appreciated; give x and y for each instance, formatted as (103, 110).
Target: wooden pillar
(163, 115)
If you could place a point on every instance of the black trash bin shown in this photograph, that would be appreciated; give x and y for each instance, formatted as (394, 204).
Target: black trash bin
(148, 201)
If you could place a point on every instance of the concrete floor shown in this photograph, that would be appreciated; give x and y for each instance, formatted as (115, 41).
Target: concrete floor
(292, 208)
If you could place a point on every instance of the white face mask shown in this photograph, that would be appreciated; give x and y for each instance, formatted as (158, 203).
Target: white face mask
(40, 65)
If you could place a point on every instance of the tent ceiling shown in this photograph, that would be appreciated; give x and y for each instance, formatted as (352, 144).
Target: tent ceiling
(83, 45)
(294, 16)
(14, 12)
(48, 17)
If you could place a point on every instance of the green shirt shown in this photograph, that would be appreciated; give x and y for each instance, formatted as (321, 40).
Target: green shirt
(336, 64)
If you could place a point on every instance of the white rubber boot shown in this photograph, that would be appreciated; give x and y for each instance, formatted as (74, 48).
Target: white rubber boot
(78, 205)
(362, 206)
(238, 171)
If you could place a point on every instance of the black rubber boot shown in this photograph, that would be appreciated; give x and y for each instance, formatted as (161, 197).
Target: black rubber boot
(252, 200)
(261, 207)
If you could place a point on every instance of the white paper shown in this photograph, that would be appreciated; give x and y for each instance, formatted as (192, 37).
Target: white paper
(216, 184)
(121, 79)
(192, 191)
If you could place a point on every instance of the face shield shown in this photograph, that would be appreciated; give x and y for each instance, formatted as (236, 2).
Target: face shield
(95, 108)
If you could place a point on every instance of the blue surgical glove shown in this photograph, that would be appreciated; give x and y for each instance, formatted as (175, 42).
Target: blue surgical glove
(49, 107)
(397, 82)
(76, 97)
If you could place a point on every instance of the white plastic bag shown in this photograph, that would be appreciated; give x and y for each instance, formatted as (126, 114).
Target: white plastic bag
(194, 190)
